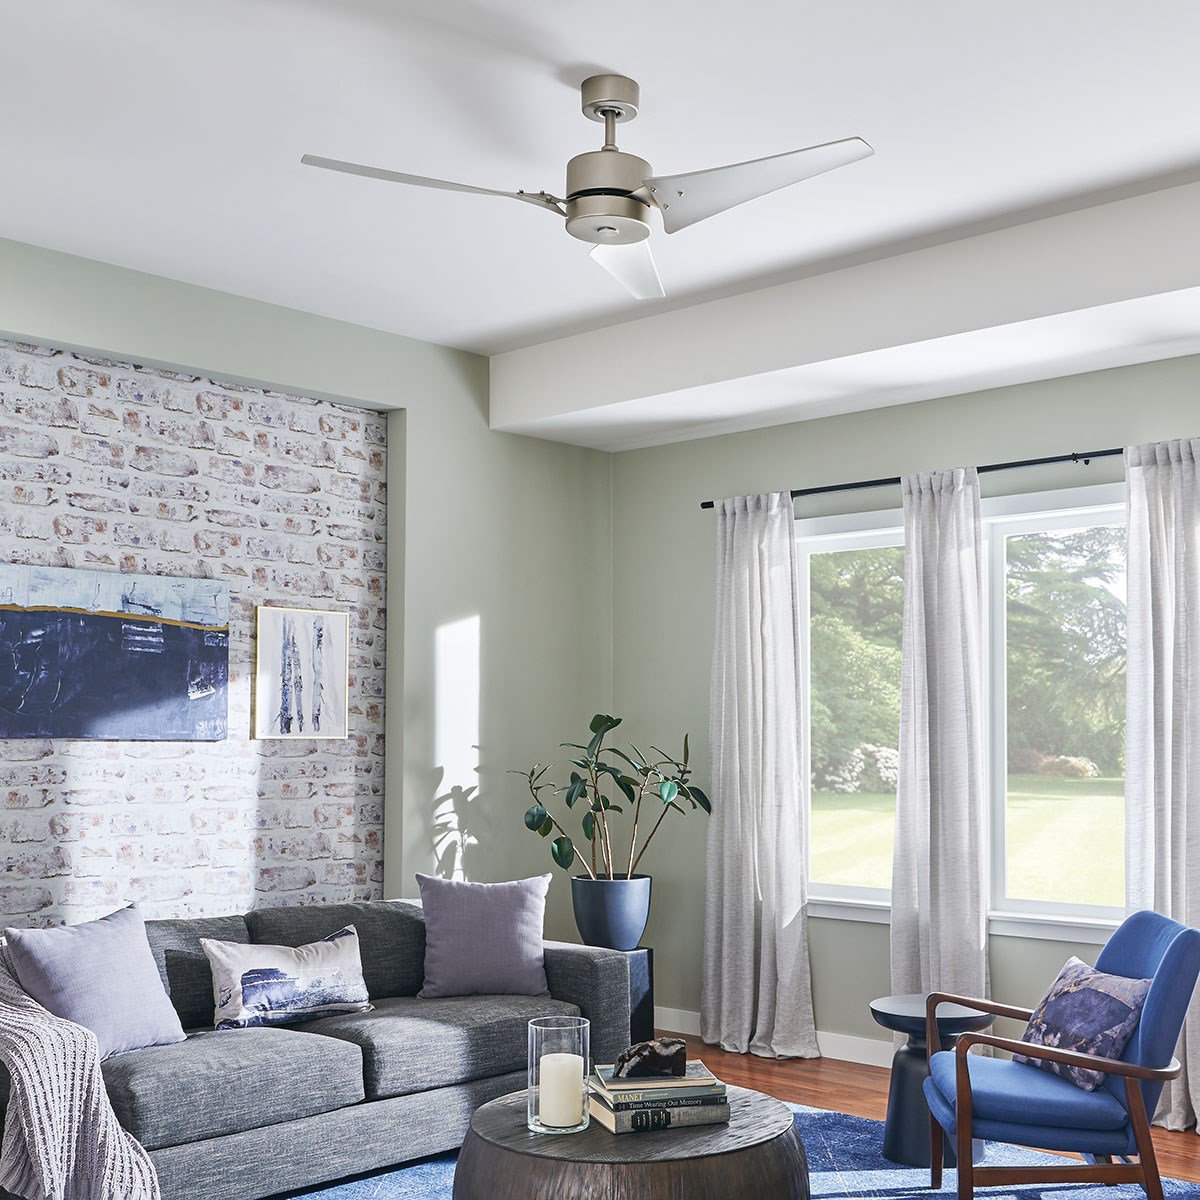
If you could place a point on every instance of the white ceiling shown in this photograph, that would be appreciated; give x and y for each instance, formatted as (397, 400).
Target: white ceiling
(165, 135)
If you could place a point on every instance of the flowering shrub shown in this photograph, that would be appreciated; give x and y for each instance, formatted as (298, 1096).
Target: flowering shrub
(1067, 766)
(881, 769)
(1025, 760)
(842, 776)
(864, 769)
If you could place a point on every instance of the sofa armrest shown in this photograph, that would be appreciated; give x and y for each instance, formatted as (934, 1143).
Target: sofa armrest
(597, 982)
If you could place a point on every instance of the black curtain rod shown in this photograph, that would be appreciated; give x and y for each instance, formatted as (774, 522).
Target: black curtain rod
(1084, 456)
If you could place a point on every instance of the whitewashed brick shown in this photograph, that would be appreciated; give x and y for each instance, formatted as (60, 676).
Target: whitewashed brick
(20, 902)
(163, 462)
(99, 452)
(111, 465)
(78, 380)
(26, 443)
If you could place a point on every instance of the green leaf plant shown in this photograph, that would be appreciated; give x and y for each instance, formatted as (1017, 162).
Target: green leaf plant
(593, 788)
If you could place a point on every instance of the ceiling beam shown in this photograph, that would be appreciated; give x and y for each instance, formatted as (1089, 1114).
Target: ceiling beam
(1104, 255)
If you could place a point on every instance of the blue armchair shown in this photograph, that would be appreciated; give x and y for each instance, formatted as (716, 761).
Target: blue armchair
(1004, 1101)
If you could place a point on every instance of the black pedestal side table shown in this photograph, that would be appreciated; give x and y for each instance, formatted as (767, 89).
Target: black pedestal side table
(906, 1131)
(641, 994)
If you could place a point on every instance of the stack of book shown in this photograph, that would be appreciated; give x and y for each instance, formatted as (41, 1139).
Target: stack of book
(658, 1102)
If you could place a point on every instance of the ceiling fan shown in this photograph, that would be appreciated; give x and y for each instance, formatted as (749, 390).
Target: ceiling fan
(610, 193)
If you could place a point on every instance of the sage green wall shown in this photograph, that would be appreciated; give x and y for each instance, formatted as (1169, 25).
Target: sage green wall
(481, 525)
(517, 534)
(663, 606)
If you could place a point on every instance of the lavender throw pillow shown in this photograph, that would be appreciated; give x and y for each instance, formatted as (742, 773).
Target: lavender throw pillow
(484, 938)
(101, 975)
(1087, 1011)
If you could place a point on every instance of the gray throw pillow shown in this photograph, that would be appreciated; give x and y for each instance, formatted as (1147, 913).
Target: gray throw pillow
(101, 975)
(484, 938)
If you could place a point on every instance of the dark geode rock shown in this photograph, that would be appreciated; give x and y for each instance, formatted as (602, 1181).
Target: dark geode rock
(663, 1056)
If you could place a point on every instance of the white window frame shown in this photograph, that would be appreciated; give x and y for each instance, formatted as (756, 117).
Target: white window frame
(1003, 515)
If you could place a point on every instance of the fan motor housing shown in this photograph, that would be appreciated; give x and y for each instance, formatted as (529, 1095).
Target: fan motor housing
(601, 207)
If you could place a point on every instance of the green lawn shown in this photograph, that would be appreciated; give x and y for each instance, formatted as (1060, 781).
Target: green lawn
(1064, 839)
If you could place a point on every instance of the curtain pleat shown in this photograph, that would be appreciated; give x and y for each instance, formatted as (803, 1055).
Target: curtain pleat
(939, 880)
(756, 991)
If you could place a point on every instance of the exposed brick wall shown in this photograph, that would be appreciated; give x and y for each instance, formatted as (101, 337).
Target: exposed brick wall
(126, 468)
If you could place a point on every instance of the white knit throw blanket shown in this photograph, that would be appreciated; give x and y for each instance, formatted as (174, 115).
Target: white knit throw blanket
(62, 1140)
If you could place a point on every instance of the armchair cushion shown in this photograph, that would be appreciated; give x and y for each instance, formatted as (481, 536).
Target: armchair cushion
(1007, 1091)
(1041, 1137)
(1088, 1011)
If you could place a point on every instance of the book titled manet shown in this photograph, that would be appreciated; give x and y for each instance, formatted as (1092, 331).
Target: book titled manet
(646, 1103)
(101, 654)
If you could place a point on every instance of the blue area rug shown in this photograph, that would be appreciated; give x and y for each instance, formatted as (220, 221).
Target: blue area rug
(843, 1161)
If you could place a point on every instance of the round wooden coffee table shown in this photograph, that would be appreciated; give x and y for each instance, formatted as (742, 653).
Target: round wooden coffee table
(757, 1154)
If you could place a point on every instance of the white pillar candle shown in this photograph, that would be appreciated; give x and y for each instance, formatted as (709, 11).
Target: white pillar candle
(560, 1095)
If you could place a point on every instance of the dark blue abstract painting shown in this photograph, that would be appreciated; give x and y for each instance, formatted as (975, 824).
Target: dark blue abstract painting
(99, 654)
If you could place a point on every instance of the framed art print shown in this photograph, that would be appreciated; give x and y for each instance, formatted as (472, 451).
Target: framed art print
(302, 673)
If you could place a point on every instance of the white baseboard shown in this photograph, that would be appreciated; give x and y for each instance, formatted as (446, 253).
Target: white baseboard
(677, 1020)
(873, 1052)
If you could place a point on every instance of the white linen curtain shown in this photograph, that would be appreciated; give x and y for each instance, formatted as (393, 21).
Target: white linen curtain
(939, 889)
(757, 992)
(1162, 758)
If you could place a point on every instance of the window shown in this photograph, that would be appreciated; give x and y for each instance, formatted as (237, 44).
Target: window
(1055, 584)
(854, 585)
(1058, 712)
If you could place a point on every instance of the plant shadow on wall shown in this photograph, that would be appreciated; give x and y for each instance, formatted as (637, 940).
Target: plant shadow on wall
(611, 900)
(459, 826)
(453, 783)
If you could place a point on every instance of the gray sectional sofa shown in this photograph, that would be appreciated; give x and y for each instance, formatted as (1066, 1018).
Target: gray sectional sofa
(243, 1114)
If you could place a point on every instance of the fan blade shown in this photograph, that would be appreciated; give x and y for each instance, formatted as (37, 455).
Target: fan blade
(541, 199)
(686, 199)
(633, 267)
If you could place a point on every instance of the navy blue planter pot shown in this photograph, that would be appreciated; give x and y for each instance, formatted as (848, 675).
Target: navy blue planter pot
(611, 913)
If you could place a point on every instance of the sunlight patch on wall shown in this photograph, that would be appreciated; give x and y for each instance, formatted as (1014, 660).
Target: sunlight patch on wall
(456, 744)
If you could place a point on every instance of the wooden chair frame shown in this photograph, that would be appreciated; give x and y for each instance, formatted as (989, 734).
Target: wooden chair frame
(1103, 1170)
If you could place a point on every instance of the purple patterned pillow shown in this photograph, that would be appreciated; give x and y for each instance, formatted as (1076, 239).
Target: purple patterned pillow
(1087, 1011)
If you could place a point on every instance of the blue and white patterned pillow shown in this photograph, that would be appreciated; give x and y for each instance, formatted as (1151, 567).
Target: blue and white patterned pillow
(1087, 1011)
(277, 985)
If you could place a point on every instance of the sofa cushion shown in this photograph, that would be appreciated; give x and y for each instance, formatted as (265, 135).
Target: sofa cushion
(183, 965)
(412, 1045)
(1002, 1090)
(391, 935)
(220, 1083)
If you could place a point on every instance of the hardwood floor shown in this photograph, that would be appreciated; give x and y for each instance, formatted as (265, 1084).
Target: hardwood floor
(862, 1091)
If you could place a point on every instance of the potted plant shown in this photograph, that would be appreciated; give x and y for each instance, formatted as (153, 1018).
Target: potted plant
(611, 901)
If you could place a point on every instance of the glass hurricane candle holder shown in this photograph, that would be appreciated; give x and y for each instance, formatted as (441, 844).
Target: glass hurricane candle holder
(558, 1074)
